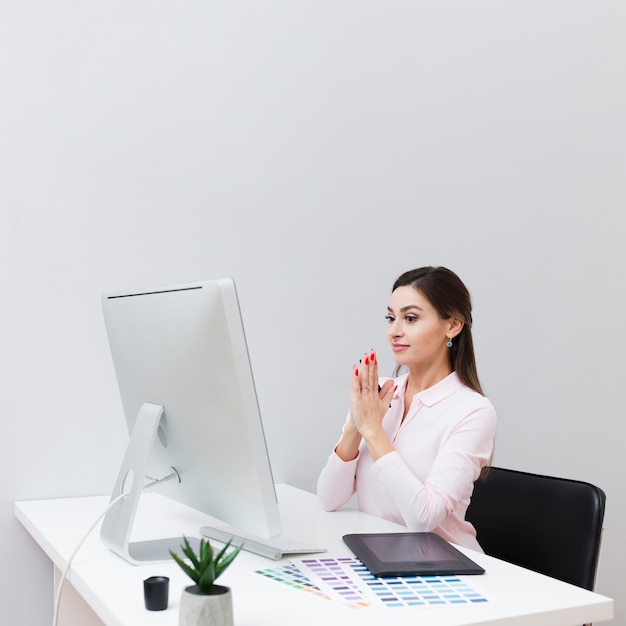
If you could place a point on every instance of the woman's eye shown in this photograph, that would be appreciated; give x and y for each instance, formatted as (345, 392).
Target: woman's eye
(390, 318)
(411, 318)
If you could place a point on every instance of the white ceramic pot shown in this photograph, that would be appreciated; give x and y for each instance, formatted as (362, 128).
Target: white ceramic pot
(215, 609)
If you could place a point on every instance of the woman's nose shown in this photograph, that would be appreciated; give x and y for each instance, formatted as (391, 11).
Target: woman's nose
(394, 329)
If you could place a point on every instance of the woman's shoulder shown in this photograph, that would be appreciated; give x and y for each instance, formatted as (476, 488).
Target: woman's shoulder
(473, 396)
(464, 396)
(476, 406)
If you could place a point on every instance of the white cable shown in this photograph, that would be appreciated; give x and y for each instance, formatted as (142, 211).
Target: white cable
(57, 598)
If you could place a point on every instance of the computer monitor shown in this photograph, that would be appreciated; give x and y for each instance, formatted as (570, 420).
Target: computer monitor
(188, 395)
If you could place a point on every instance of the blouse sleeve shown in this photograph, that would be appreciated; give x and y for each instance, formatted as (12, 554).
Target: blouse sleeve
(336, 483)
(467, 449)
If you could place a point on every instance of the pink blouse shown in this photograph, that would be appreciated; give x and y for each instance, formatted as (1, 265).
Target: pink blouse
(426, 483)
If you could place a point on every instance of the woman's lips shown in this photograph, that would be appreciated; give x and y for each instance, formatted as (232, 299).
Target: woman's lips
(398, 347)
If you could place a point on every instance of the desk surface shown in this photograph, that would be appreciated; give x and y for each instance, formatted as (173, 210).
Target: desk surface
(114, 589)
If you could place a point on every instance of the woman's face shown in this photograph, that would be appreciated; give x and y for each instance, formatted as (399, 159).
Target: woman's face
(418, 336)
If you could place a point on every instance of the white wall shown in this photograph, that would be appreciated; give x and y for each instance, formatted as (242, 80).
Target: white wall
(313, 150)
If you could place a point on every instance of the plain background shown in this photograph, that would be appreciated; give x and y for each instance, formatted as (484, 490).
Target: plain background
(313, 150)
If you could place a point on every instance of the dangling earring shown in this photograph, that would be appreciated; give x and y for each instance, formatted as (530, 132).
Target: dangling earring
(449, 344)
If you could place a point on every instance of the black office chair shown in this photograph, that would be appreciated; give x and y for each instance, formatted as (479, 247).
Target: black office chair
(549, 525)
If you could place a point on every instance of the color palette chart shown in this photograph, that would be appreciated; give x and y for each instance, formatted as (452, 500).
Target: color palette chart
(348, 581)
(291, 576)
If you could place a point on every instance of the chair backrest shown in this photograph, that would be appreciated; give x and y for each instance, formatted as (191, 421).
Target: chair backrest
(549, 525)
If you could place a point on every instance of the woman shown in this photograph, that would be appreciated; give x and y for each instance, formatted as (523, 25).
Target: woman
(413, 448)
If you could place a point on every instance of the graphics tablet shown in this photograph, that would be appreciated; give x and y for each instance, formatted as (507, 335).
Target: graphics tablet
(409, 554)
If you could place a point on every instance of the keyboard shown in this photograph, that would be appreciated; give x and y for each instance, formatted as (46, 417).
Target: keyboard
(274, 548)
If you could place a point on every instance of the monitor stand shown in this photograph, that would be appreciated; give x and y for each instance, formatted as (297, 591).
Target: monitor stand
(119, 519)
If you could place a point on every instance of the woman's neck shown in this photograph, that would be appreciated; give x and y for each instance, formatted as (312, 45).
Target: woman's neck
(420, 380)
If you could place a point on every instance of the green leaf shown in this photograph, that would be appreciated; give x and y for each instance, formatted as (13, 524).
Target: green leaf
(206, 554)
(226, 560)
(190, 554)
(207, 579)
(192, 573)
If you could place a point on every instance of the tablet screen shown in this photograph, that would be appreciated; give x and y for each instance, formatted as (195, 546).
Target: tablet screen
(403, 554)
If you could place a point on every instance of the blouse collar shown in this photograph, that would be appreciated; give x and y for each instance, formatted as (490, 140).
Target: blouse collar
(444, 388)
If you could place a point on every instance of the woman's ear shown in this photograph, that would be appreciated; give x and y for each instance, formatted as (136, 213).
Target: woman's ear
(455, 327)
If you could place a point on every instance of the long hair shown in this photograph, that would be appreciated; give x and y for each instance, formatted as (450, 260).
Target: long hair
(450, 298)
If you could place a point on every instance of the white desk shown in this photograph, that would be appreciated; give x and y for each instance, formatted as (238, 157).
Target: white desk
(114, 589)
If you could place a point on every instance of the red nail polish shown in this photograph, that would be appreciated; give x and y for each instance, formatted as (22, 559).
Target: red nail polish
(356, 371)
(367, 360)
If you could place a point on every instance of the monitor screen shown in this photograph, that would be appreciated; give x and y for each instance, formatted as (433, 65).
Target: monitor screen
(183, 348)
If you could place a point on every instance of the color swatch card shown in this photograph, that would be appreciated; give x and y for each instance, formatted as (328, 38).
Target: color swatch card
(349, 582)
(292, 577)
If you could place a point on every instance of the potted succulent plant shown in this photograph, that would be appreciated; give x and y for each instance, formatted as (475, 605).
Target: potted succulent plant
(204, 603)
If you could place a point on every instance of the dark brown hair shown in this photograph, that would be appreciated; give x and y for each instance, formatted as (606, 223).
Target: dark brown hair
(450, 298)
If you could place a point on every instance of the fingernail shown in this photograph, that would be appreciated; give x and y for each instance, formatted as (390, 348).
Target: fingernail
(356, 371)
(367, 360)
